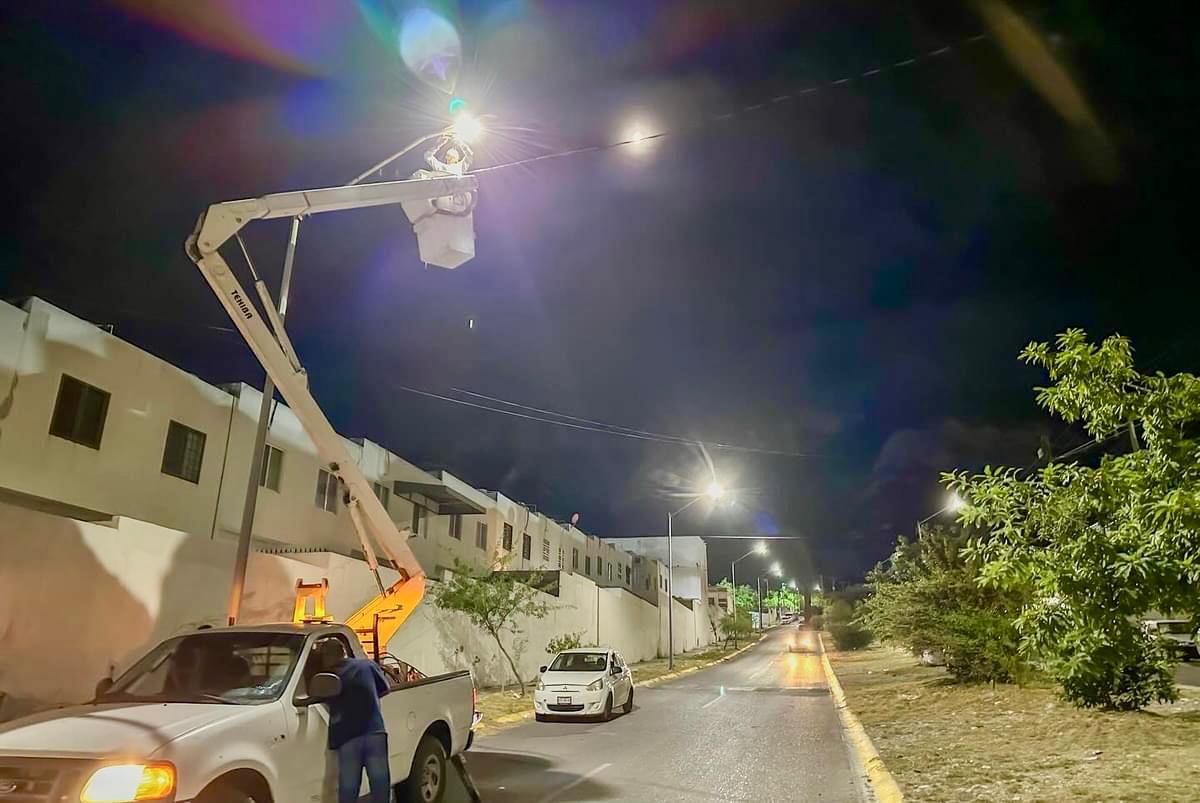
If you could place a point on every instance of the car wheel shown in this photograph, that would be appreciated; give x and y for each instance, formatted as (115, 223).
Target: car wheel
(607, 708)
(540, 717)
(222, 793)
(426, 782)
(625, 709)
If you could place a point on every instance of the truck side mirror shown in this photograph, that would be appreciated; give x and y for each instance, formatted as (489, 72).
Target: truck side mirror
(103, 686)
(323, 686)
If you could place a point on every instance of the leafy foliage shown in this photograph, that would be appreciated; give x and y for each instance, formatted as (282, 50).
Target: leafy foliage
(567, 641)
(1098, 546)
(744, 598)
(783, 599)
(492, 601)
(925, 597)
(737, 626)
(847, 632)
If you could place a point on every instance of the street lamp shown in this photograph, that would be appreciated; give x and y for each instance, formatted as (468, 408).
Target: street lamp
(774, 570)
(954, 503)
(714, 492)
(759, 549)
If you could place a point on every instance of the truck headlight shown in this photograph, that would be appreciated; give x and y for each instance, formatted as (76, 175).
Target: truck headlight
(126, 783)
(596, 685)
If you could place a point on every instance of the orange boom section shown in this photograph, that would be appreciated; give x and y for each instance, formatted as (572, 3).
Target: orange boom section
(374, 623)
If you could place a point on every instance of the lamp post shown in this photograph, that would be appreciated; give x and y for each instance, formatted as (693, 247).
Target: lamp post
(954, 503)
(714, 492)
(758, 584)
(759, 549)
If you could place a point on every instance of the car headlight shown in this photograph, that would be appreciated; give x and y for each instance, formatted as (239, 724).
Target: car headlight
(596, 685)
(126, 783)
(540, 686)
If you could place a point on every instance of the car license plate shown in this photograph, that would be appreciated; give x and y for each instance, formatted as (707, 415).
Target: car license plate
(564, 700)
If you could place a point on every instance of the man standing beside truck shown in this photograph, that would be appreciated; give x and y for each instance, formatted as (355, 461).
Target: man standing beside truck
(356, 728)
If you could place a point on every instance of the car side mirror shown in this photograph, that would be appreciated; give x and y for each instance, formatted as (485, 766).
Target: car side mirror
(103, 686)
(323, 686)
(542, 669)
(616, 670)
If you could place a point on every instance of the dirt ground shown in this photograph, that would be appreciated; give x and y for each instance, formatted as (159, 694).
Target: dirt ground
(949, 742)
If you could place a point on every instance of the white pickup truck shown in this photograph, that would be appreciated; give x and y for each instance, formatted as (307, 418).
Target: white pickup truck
(229, 715)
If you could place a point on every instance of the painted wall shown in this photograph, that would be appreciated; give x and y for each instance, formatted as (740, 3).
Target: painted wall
(94, 596)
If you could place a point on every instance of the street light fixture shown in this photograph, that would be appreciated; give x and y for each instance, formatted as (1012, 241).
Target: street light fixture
(954, 503)
(759, 549)
(714, 492)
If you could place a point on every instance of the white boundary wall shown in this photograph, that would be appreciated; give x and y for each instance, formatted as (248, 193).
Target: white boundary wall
(79, 600)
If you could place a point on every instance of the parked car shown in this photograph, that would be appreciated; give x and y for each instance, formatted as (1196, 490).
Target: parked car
(229, 715)
(1179, 631)
(586, 682)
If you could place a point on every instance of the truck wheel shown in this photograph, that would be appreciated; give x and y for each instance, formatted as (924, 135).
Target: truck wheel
(222, 793)
(426, 782)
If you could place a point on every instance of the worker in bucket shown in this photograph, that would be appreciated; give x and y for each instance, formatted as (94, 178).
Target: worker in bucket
(356, 729)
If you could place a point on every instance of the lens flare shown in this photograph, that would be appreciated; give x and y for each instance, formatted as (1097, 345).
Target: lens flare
(431, 48)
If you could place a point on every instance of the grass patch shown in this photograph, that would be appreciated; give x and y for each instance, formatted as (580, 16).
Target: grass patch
(945, 741)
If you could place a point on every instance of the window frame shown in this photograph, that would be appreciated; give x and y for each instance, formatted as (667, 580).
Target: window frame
(264, 470)
(186, 432)
(58, 412)
(506, 539)
(481, 529)
(526, 546)
(330, 492)
(456, 522)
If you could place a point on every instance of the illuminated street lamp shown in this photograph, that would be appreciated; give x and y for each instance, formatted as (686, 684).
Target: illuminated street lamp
(714, 492)
(954, 503)
(759, 549)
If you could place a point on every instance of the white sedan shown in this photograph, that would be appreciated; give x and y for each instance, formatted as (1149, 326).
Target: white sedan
(587, 682)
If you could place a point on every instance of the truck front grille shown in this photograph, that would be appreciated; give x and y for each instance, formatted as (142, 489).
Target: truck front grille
(39, 780)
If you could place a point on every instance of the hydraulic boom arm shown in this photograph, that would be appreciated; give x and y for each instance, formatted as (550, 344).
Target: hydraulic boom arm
(221, 221)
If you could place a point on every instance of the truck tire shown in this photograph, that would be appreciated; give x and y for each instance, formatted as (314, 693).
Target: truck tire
(426, 782)
(223, 793)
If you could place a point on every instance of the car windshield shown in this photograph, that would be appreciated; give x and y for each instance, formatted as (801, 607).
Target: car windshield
(230, 667)
(1175, 628)
(580, 662)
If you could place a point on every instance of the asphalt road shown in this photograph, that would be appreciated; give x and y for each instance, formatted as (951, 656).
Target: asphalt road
(1188, 674)
(761, 727)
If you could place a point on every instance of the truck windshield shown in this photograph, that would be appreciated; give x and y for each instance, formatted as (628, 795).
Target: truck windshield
(579, 662)
(230, 667)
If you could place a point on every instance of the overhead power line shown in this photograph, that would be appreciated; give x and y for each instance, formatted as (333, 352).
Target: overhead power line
(604, 429)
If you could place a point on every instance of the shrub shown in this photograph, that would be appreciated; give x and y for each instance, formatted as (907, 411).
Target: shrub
(567, 641)
(847, 632)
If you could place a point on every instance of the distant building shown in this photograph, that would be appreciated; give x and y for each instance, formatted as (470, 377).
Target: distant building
(720, 598)
(691, 561)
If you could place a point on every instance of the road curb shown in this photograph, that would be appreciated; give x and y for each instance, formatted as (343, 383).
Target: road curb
(879, 778)
(512, 719)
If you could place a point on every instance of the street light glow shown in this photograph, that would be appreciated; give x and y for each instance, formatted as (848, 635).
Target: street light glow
(775, 570)
(714, 491)
(761, 548)
(467, 127)
(955, 503)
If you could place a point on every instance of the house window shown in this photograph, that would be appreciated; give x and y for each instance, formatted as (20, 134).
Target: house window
(79, 412)
(574, 560)
(417, 514)
(382, 494)
(183, 452)
(526, 546)
(456, 526)
(481, 535)
(546, 549)
(560, 557)
(610, 572)
(272, 464)
(327, 491)
(508, 537)
(587, 564)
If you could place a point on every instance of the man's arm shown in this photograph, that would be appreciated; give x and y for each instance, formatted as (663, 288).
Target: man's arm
(382, 686)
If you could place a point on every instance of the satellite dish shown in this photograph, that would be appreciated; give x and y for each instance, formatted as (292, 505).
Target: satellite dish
(574, 519)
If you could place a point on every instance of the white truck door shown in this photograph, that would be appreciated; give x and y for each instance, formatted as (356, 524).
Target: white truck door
(308, 768)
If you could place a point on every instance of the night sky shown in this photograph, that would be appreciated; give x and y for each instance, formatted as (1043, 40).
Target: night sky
(847, 274)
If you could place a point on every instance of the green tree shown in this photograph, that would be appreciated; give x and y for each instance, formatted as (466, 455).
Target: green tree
(783, 599)
(737, 626)
(492, 601)
(745, 598)
(847, 632)
(1098, 546)
(925, 597)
